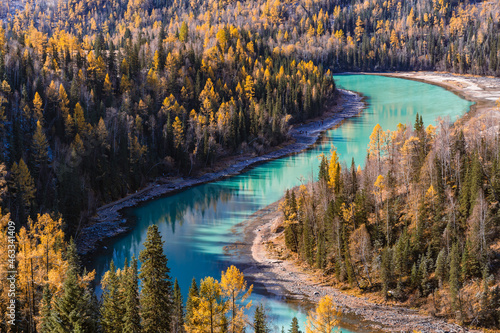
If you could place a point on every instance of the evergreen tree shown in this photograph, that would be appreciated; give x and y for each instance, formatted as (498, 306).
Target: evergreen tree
(294, 327)
(111, 319)
(22, 189)
(131, 318)
(192, 301)
(441, 267)
(260, 320)
(156, 296)
(323, 169)
(40, 148)
(73, 310)
(45, 310)
(178, 311)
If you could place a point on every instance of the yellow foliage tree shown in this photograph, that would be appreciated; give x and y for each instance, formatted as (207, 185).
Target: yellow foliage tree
(249, 88)
(325, 319)
(359, 30)
(178, 132)
(377, 144)
(334, 169)
(234, 287)
(209, 315)
(38, 106)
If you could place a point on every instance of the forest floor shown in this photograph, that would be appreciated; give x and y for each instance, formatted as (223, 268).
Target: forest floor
(263, 253)
(109, 221)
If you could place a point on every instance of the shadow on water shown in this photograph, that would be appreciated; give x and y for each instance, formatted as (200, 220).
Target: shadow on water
(196, 223)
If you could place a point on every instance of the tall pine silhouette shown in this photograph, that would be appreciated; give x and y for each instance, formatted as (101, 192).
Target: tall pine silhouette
(156, 295)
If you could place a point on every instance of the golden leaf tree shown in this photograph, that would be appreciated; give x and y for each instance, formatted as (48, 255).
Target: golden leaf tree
(209, 315)
(334, 169)
(326, 317)
(234, 287)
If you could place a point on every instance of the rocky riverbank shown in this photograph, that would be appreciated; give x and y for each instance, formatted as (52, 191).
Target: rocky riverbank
(109, 221)
(288, 279)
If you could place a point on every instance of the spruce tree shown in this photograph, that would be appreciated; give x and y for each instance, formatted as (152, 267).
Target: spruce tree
(111, 319)
(192, 301)
(156, 297)
(294, 327)
(178, 311)
(73, 310)
(260, 320)
(45, 310)
(441, 266)
(131, 318)
(323, 169)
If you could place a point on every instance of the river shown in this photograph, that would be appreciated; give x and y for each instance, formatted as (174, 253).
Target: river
(196, 223)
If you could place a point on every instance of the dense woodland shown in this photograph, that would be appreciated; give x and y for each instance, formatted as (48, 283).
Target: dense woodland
(420, 223)
(98, 97)
(54, 295)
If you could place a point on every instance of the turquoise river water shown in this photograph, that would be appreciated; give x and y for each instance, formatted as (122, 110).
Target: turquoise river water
(196, 223)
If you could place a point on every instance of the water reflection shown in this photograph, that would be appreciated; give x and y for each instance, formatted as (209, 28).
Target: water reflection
(196, 223)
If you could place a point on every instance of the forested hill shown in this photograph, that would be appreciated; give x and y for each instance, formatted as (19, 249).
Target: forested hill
(418, 225)
(99, 96)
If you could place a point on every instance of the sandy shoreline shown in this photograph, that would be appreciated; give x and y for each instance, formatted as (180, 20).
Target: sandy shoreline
(284, 277)
(109, 222)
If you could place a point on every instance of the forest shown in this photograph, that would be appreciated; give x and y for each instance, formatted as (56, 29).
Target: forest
(132, 301)
(99, 97)
(419, 224)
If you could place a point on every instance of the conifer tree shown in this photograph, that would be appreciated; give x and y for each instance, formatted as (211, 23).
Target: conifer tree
(156, 294)
(131, 317)
(111, 320)
(45, 311)
(260, 320)
(73, 310)
(294, 327)
(39, 147)
(23, 189)
(178, 311)
(191, 302)
(455, 277)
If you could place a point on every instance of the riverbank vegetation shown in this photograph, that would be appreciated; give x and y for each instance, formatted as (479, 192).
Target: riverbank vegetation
(99, 97)
(419, 224)
(54, 294)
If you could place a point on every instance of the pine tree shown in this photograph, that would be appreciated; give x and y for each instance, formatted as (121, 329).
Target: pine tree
(111, 319)
(294, 327)
(191, 302)
(23, 189)
(44, 326)
(323, 169)
(441, 267)
(260, 320)
(156, 295)
(40, 147)
(131, 318)
(178, 311)
(73, 310)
